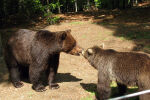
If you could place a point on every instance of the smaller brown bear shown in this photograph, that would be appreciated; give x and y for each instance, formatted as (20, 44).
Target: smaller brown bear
(126, 68)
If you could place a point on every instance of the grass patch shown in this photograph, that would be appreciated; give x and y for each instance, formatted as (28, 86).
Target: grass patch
(122, 38)
(90, 97)
(30, 94)
(78, 23)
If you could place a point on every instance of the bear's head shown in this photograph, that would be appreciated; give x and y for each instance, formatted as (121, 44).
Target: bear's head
(69, 44)
(60, 41)
(92, 55)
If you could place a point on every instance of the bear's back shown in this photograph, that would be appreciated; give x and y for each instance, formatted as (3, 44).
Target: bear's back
(20, 44)
(128, 65)
(132, 59)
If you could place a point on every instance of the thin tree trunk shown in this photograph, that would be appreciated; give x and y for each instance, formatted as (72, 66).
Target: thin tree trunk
(59, 11)
(48, 10)
(136, 2)
(88, 4)
(76, 6)
(131, 3)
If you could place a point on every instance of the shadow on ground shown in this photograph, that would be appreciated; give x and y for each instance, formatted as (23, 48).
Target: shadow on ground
(60, 77)
(66, 77)
(91, 87)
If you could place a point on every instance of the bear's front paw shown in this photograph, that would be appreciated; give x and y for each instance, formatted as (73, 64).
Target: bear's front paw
(39, 88)
(18, 84)
(54, 86)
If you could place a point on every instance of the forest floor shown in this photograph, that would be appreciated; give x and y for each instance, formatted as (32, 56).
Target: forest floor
(126, 30)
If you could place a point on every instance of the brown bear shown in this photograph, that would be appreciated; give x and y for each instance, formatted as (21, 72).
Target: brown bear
(126, 68)
(39, 53)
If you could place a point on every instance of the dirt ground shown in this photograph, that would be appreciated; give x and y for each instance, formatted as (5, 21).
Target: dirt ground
(77, 79)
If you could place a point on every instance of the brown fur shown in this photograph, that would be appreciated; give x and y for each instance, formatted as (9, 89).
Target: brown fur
(126, 68)
(37, 52)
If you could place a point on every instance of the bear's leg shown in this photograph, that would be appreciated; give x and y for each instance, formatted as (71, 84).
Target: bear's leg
(51, 77)
(121, 89)
(143, 84)
(103, 87)
(53, 67)
(35, 72)
(15, 77)
(13, 71)
(144, 96)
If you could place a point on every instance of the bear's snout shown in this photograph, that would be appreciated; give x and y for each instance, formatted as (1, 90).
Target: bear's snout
(76, 51)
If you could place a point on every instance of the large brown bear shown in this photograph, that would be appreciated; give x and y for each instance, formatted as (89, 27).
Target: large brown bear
(126, 68)
(38, 51)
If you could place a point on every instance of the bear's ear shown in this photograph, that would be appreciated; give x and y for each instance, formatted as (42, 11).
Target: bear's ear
(102, 45)
(90, 51)
(68, 31)
(63, 36)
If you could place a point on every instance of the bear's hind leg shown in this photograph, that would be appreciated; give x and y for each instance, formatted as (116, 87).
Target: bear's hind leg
(15, 77)
(144, 96)
(14, 73)
(13, 67)
(144, 84)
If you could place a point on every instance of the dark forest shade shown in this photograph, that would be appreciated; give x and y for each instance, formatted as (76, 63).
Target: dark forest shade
(9, 7)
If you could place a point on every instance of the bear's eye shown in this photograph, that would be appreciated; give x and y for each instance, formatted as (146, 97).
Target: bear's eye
(63, 36)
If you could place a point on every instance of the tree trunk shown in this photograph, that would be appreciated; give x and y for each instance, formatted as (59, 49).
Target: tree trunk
(48, 10)
(59, 11)
(136, 2)
(88, 4)
(131, 3)
(76, 6)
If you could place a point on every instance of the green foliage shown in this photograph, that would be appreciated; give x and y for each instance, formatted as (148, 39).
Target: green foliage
(90, 97)
(51, 7)
(53, 20)
(27, 9)
(97, 3)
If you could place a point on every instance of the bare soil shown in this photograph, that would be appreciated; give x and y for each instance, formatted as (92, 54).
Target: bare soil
(77, 79)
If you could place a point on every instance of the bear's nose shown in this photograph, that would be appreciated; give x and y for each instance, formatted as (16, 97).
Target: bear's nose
(80, 49)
